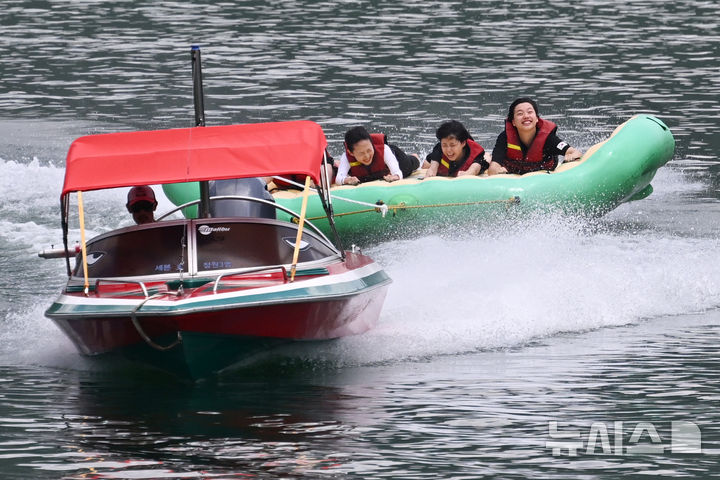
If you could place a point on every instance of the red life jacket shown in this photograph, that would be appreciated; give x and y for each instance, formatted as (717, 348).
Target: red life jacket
(475, 150)
(533, 160)
(377, 168)
(294, 177)
(297, 178)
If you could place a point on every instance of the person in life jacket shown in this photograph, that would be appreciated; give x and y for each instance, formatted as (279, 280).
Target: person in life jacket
(369, 157)
(274, 184)
(529, 143)
(456, 154)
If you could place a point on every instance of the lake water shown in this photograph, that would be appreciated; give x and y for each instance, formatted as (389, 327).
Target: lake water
(554, 348)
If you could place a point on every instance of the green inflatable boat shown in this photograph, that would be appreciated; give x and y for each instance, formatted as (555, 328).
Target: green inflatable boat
(612, 172)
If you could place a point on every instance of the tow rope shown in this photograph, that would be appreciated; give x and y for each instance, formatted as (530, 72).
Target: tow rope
(382, 208)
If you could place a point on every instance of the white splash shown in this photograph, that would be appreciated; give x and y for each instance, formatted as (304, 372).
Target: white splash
(540, 278)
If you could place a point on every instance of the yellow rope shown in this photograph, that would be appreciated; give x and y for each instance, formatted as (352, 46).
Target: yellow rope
(403, 206)
(298, 238)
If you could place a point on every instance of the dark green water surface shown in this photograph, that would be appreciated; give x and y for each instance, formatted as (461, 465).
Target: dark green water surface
(554, 348)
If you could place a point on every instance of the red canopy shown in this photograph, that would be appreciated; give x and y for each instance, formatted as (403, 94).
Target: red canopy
(193, 154)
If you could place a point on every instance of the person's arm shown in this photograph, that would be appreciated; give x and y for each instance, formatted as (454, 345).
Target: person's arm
(343, 169)
(572, 154)
(499, 155)
(495, 168)
(473, 169)
(478, 165)
(329, 172)
(560, 147)
(432, 169)
(392, 163)
(434, 158)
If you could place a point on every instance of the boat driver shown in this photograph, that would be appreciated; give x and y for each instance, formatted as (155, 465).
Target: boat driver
(141, 204)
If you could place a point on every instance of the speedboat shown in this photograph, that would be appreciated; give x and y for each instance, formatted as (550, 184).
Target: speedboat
(195, 296)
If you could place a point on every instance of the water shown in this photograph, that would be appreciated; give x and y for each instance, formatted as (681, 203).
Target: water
(488, 336)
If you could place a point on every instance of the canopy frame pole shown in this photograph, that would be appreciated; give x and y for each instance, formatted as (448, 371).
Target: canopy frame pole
(326, 200)
(199, 104)
(64, 220)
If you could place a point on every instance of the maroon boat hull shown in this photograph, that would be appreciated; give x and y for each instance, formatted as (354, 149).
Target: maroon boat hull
(312, 320)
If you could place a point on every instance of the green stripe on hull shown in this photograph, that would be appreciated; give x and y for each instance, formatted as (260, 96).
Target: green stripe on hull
(309, 293)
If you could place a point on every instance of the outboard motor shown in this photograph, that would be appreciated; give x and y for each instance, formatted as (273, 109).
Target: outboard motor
(248, 187)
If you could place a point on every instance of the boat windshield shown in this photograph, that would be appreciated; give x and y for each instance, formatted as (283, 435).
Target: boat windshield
(224, 245)
(216, 244)
(147, 251)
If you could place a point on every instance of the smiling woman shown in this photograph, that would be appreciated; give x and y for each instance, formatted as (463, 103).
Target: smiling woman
(456, 154)
(369, 157)
(528, 142)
